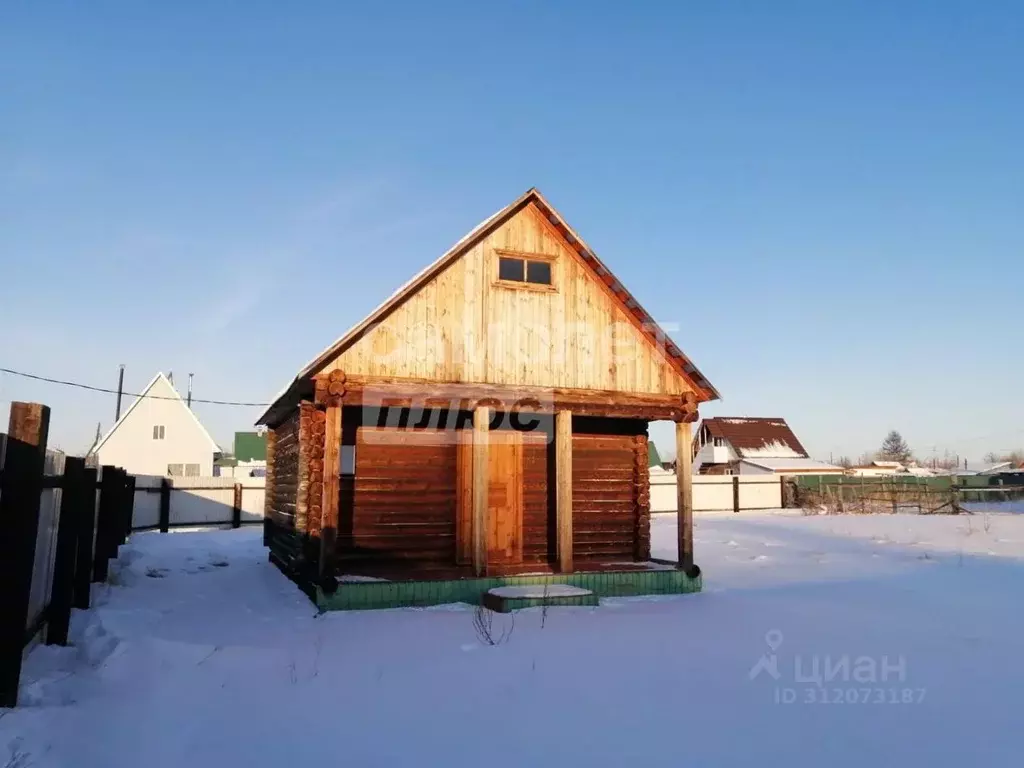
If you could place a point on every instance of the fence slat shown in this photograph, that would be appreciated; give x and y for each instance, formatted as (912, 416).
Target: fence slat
(106, 523)
(236, 507)
(165, 505)
(127, 506)
(20, 488)
(63, 586)
(86, 517)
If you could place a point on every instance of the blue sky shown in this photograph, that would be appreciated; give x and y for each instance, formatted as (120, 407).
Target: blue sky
(826, 197)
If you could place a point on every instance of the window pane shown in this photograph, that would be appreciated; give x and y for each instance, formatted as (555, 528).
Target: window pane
(348, 459)
(538, 272)
(510, 269)
(174, 470)
(156, 433)
(191, 470)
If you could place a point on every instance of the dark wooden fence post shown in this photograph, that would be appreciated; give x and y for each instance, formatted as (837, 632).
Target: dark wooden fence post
(21, 486)
(165, 505)
(128, 506)
(63, 587)
(122, 503)
(86, 539)
(236, 507)
(106, 522)
(735, 493)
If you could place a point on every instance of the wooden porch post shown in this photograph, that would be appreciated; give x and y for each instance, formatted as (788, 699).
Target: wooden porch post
(684, 494)
(331, 491)
(563, 494)
(481, 473)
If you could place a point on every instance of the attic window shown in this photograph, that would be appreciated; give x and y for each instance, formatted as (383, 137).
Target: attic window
(526, 270)
(158, 433)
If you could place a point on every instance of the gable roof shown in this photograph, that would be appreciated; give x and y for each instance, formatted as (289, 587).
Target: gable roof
(647, 326)
(142, 396)
(761, 438)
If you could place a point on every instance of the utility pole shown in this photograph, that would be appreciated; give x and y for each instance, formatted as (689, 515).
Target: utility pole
(120, 389)
(189, 401)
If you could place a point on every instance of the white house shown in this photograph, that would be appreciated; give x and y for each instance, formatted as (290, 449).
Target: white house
(159, 435)
(752, 446)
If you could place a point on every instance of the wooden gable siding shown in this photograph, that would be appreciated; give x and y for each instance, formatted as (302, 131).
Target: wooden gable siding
(460, 327)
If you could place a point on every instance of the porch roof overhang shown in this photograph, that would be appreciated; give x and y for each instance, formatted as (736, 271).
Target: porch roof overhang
(368, 392)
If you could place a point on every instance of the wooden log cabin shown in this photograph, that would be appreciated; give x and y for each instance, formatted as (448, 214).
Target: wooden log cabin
(485, 425)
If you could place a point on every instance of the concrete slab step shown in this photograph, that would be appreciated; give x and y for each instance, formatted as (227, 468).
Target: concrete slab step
(508, 599)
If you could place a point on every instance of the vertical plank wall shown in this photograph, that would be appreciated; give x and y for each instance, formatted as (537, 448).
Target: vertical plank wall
(464, 327)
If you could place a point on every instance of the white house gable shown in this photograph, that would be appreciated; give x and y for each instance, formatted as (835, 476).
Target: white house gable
(159, 435)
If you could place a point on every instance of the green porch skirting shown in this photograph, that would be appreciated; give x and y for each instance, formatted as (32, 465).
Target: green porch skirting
(360, 596)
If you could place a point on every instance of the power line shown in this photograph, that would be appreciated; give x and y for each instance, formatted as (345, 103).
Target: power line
(129, 394)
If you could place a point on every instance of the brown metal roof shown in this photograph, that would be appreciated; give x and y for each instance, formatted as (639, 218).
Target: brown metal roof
(762, 437)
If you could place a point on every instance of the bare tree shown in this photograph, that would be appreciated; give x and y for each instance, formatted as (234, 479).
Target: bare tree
(844, 462)
(865, 458)
(1015, 457)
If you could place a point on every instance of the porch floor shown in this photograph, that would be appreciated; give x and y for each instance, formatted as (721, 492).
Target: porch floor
(392, 571)
(362, 591)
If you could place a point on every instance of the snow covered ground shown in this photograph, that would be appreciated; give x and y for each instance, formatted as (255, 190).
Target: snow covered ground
(205, 655)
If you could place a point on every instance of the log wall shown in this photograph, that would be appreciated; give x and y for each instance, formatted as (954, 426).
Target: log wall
(400, 506)
(611, 518)
(642, 498)
(282, 491)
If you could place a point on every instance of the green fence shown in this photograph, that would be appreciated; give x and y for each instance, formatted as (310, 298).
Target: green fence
(898, 493)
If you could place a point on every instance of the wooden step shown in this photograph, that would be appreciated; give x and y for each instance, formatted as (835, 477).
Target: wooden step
(508, 599)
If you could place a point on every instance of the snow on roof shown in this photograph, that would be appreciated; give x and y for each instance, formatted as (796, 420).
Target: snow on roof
(802, 463)
(1002, 466)
(774, 449)
(767, 422)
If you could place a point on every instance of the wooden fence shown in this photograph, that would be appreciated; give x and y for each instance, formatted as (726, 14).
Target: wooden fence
(59, 529)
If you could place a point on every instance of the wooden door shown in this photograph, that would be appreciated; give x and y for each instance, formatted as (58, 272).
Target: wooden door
(504, 498)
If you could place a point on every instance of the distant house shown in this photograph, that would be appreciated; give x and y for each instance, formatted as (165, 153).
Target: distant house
(249, 458)
(159, 435)
(878, 468)
(752, 446)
